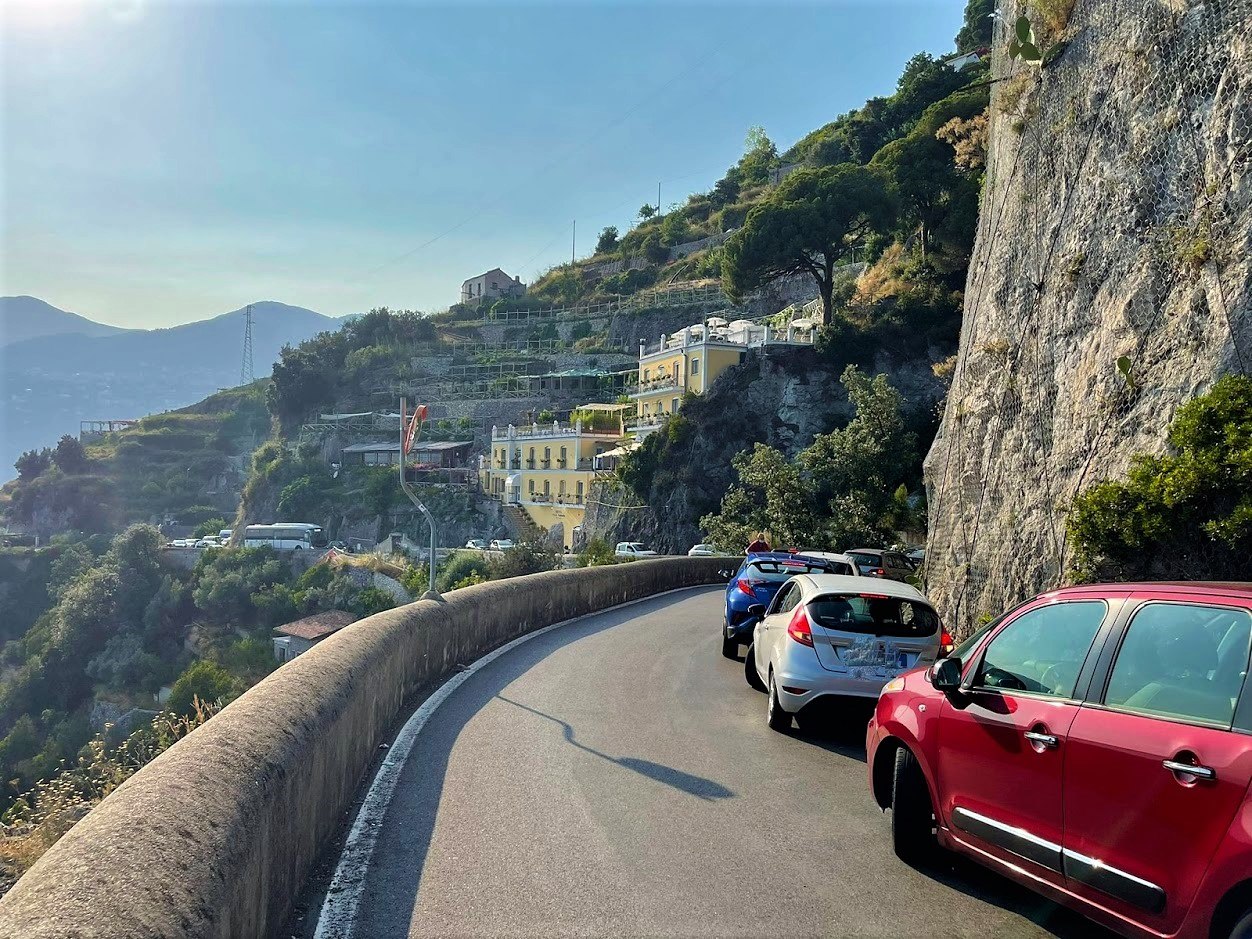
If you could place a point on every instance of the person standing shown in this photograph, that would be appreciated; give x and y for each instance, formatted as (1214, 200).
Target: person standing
(758, 544)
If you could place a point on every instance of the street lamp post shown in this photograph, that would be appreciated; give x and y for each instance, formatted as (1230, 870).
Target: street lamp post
(409, 431)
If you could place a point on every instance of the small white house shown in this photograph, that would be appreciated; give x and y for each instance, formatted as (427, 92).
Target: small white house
(304, 634)
(491, 286)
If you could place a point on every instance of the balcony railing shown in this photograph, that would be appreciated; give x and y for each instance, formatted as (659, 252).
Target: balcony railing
(545, 464)
(552, 430)
(530, 464)
(668, 383)
(543, 498)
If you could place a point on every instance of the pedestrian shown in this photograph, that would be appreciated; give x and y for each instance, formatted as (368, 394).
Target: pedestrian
(758, 544)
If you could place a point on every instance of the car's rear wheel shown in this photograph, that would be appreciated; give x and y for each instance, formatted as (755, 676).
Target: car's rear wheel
(912, 818)
(775, 716)
(1243, 926)
(749, 670)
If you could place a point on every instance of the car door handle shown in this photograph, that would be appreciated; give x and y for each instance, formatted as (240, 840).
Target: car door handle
(1199, 772)
(1050, 741)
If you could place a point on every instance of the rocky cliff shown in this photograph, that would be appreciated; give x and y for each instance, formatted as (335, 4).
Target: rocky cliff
(1111, 282)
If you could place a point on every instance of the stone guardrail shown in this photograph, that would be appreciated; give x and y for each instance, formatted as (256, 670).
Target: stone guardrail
(217, 836)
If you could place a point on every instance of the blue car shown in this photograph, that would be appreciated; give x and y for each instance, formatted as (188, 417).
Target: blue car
(755, 583)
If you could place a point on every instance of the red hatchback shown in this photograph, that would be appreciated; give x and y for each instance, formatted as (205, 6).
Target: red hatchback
(1094, 744)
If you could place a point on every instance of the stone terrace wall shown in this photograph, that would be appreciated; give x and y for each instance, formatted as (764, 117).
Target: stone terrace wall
(1116, 221)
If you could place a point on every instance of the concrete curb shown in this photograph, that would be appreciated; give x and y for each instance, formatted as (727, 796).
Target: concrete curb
(217, 835)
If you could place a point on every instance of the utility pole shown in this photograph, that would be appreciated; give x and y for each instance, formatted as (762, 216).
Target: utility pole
(246, 374)
(573, 242)
(658, 200)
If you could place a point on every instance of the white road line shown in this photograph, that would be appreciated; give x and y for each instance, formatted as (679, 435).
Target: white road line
(343, 895)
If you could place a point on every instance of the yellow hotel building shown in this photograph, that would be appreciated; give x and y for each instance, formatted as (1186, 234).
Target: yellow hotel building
(546, 470)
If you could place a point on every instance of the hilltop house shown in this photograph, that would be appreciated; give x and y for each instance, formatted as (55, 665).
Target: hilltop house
(491, 286)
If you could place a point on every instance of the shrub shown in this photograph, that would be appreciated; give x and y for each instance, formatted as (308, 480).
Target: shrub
(202, 681)
(597, 552)
(463, 566)
(527, 557)
(1184, 515)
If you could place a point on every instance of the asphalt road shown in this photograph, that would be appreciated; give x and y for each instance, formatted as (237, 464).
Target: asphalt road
(616, 777)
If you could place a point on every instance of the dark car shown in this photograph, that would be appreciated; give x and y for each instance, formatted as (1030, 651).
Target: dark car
(1095, 745)
(756, 582)
(878, 562)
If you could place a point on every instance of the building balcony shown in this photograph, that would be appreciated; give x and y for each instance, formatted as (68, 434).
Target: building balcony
(561, 499)
(656, 385)
(530, 464)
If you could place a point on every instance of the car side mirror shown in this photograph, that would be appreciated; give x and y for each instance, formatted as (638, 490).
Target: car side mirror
(757, 610)
(945, 675)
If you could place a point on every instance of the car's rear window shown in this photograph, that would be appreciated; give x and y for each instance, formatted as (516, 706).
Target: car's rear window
(862, 558)
(874, 615)
(778, 571)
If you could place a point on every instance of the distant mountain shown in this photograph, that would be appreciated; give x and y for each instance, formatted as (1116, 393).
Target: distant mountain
(49, 384)
(23, 318)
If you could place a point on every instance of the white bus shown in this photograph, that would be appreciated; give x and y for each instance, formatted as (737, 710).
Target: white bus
(285, 536)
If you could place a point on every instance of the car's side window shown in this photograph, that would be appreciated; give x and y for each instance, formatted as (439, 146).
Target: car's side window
(792, 600)
(780, 598)
(1182, 661)
(1042, 651)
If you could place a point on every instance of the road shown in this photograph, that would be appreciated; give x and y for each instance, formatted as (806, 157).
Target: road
(615, 777)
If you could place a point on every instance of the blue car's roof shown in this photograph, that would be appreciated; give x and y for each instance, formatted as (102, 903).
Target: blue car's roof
(807, 560)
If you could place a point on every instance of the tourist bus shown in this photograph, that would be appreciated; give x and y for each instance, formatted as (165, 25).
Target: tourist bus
(285, 536)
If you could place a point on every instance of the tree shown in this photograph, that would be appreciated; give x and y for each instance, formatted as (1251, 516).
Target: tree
(32, 463)
(674, 230)
(203, 680)
(607, 241)
(646, 211)
(758, 158)
(922, 172)
(976, 33)
(69, 455)
(811, 222)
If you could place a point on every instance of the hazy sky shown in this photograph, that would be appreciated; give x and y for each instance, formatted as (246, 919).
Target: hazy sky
(167, 161)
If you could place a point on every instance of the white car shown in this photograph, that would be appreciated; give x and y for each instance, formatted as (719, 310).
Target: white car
(702, 551)
(208, 543)
(501, 544)
(829, 636)
(476, 544)
(853, 570)
(633, 549)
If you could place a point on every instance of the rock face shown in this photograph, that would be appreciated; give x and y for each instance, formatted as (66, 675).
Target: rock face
(781, 396)
(1116, 222)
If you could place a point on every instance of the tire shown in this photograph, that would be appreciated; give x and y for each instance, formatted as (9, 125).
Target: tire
(749, 670)
(775, 716)
(730, 647)
(912, 818)
(1243, 926)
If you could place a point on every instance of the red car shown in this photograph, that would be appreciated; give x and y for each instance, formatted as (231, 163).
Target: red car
(1094, 744)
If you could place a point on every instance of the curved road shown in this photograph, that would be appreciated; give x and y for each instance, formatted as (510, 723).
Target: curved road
(615, 777)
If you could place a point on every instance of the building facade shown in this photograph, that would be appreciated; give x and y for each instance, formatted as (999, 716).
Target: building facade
(691, 359)
(491, 286)
(546, 470)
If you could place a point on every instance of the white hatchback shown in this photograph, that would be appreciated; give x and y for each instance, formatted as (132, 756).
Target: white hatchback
(828, 636)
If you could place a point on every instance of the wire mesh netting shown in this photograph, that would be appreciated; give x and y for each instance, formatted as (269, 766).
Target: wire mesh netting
(1110, 283)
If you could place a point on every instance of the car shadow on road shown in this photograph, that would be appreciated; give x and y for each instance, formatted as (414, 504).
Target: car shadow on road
(697, 786)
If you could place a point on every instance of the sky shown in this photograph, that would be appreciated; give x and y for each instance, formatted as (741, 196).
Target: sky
(163, 162)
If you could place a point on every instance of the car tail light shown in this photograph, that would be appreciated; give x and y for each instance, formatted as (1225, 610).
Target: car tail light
(873, 596)
(799, 628)
(879, 572)
(746, 587)
(946, 644)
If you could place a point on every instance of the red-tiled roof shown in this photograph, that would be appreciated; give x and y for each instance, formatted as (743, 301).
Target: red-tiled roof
(317, 626)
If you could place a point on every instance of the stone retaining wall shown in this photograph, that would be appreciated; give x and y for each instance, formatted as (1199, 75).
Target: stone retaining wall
(217, 835)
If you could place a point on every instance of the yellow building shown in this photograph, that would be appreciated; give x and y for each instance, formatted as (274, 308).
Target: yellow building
(546, 470)
(689, 360)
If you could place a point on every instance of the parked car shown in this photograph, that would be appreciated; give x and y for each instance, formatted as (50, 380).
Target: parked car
(633, 549)
(1093, 744)
(501, 544)
(917, 556)
(702, 551)
(476, 544)
(828, 636)
(878, 562)
(844, 563)
(754, 584)
(207, 543)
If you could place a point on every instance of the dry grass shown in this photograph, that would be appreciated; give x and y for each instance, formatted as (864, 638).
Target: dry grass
(43, 815)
